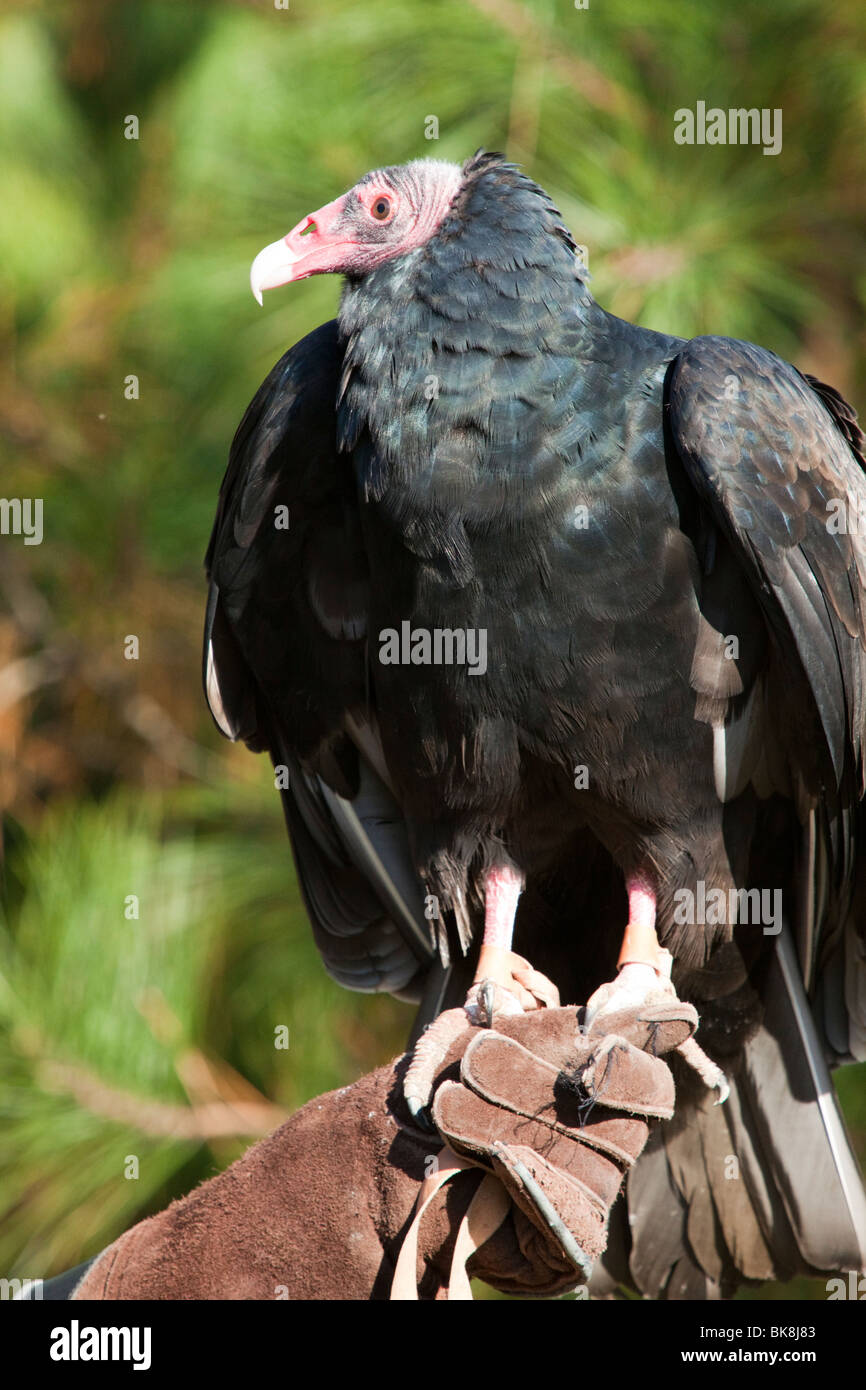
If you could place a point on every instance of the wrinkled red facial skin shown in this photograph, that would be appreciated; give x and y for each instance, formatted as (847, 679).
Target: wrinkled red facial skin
(347, 237)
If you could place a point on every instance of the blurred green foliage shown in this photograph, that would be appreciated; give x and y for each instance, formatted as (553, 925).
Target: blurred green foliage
(124, 257)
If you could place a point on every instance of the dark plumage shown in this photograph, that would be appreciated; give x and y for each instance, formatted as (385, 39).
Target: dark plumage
(475, 444)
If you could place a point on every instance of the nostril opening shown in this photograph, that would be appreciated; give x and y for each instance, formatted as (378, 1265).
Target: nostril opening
(310, 227)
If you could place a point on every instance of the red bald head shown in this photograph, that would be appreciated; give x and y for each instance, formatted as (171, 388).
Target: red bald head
(388, 213)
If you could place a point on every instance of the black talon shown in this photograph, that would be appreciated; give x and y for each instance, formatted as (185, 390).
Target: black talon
(421, 1115)
(487, 998)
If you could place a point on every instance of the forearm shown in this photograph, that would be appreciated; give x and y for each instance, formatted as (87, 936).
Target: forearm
(316, 1210)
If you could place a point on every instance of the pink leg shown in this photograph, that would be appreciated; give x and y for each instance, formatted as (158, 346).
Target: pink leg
(643, 967)
(645, 976)
(504, 983)
(640, 945)
(502, 889)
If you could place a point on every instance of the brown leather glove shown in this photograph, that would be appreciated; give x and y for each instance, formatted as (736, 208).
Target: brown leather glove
(557, 1116)
(322, 1207)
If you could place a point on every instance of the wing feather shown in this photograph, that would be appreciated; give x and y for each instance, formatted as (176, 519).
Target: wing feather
(285, 668)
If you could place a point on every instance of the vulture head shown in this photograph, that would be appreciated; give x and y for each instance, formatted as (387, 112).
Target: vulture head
(389, 212)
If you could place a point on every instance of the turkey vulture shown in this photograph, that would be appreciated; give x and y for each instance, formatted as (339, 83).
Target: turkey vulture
(528, 602)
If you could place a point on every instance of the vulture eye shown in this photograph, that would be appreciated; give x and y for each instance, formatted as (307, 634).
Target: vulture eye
(381, 208)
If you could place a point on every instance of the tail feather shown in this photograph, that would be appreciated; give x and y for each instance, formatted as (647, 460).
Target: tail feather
(651, 1189)
(797, 1116)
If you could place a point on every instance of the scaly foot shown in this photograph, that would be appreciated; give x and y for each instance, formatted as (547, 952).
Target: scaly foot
(640, 985)
(637, 983)
(505, 984)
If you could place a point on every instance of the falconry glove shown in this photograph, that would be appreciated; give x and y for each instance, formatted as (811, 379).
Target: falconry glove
(556, 1116)
(352, 1199)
